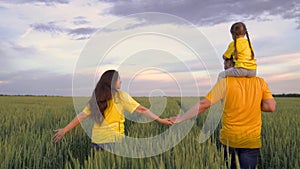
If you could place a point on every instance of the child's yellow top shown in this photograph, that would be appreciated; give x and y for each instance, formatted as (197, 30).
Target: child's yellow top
(244, 54)
(112, 127)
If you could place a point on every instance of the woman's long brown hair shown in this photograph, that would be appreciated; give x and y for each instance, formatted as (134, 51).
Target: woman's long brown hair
(104, 91)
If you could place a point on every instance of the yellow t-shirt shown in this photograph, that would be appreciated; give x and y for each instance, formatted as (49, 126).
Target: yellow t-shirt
(244, 54)
(112, 127)
(241, 118)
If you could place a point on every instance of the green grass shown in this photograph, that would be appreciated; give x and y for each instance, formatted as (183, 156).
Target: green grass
(27, 125)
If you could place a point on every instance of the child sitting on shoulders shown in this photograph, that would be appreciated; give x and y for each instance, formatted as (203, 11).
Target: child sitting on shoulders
(241, 51)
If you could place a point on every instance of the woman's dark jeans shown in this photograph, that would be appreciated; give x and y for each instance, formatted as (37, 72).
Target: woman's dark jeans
(105, 146)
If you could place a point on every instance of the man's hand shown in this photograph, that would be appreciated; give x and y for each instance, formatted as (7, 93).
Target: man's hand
(174, 119)
(165, 121)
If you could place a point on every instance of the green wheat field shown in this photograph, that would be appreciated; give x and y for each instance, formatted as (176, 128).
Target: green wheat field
(27, 124)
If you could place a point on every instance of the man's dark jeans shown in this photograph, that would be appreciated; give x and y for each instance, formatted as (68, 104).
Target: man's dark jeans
(247, 157)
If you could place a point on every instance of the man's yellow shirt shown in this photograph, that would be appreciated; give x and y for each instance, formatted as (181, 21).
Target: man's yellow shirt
(241, 119)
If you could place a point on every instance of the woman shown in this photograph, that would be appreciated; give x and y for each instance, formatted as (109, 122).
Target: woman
(106, 107)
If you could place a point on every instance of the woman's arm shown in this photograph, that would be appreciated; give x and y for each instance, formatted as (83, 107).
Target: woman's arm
(146, 112)
(59, 133)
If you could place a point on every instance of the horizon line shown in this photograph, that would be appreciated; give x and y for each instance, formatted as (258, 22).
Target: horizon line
(45, 95)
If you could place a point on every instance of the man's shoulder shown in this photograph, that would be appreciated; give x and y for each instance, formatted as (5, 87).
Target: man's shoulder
(254, 79)
(246, 84)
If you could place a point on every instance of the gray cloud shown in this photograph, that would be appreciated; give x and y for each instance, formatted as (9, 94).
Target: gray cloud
(210, 12)
(52, 27)
(80, 20)
(171, 87)
(49, 27)
(41, 82)
(46, 2)
(36, 82)
(285, 86)
(11, 52)
(82, 31)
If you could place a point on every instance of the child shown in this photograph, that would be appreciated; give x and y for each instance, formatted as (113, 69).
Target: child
(241, 51)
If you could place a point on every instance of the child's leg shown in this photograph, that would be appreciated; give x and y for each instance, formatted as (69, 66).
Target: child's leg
(237, 72)
(251, 73)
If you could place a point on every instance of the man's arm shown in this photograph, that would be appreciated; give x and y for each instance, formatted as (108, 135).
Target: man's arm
(268, 105)
(194, 111)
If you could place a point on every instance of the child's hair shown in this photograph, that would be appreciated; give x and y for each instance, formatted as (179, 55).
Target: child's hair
(239, 28)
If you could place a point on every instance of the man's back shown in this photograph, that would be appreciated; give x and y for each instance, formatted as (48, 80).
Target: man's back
(241, 120)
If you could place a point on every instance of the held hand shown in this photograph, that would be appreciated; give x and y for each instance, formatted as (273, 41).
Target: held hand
(165, 121)
(174, 119)
(58, 135)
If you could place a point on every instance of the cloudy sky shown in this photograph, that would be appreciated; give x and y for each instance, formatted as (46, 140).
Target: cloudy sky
(61, 47)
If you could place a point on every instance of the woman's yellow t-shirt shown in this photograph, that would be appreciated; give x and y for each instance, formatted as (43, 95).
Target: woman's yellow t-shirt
(112, 127)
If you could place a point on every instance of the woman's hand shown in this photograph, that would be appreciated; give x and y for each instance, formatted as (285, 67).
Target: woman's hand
(165, 121)
(174, 119)
(60, 133)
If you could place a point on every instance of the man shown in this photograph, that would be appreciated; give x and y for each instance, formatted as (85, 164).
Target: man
(243, 99)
